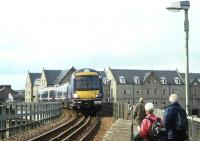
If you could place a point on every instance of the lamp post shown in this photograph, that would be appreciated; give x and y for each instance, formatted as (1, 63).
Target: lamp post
(177, 6)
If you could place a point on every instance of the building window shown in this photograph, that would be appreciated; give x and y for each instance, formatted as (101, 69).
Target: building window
(164, 92)
(177, 80)
(138, 91)
(148, 91)
(194, 101)
(127, 91)
(122, 79)
(163, 80)
(155, 91)
(163, 104)
(155, 102)
(43, 82)
(194, 93)
(175, 91)
(154, 81)
(136, 80)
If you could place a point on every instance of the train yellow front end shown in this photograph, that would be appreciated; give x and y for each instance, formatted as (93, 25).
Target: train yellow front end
(87, 89)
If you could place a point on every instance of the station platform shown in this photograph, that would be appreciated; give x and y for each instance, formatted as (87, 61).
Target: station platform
(121, 130)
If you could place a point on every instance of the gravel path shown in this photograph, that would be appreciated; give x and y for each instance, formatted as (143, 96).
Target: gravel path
(106, 122)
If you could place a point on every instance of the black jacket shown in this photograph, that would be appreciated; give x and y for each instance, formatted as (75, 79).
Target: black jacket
(169, 118)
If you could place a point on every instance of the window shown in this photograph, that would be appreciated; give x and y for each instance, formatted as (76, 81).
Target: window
(127, 91)
(155, 91)
(194, 93)
(122, 79)
(163, 80)
(164, 91)
(177, 80)
(136, 80)
(154, 81)
(163, 104)
(148, 91)
(138, 92)
(43, 82)
(195, 83)
(194, 101)
(155, 102)
(175, 91)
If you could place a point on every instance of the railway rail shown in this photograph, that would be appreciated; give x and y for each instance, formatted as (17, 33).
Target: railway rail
(79, 127)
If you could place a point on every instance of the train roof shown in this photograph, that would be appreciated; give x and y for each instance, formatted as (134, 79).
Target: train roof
(87, 71)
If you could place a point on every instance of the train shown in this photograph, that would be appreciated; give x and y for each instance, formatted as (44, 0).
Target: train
(84, 90)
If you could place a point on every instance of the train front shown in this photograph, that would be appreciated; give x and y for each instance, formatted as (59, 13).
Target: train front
(87, 90)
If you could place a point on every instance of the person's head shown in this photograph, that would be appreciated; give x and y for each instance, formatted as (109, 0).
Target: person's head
(149, 108)
(173, 98)
(141, 100)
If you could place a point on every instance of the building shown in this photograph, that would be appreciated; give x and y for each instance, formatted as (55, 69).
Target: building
(29, 86)
(48, 78)
(194, 97)
(153, 85)
(7, 94)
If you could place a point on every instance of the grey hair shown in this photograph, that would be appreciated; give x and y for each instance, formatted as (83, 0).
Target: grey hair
(149, 107)
(173, 98)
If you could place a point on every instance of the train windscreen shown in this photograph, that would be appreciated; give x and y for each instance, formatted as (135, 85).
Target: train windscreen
(87, 83)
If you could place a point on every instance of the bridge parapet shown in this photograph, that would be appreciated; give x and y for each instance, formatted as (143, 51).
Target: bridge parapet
(16, 118)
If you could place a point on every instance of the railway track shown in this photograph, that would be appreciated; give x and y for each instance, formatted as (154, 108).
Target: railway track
(79, 127)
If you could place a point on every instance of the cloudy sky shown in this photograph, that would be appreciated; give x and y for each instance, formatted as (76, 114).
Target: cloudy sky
(136, 34)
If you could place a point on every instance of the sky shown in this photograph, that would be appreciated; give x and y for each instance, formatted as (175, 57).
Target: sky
(124, 34)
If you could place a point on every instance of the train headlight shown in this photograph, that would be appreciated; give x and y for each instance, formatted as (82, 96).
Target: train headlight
(98, 95)
(75, 95)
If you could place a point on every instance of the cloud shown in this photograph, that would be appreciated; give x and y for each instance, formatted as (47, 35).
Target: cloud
(61, 34)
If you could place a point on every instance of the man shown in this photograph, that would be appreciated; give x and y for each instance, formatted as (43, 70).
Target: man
(139, 113)
(174, 117)
(146, 125)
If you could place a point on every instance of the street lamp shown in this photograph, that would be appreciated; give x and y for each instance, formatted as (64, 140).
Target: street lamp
(176, 6)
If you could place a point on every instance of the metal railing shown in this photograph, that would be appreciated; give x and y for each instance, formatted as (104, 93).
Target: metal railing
(16, 118)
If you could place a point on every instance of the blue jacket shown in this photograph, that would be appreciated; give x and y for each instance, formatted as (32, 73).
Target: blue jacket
(169, 118)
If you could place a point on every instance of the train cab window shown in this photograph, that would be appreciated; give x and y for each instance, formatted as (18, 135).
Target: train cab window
(87, 82)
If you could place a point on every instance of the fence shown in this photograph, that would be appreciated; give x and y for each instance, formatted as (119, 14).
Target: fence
(16, 118)
(125, 111)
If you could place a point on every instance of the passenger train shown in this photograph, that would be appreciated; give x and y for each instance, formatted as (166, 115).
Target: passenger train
(85, 90)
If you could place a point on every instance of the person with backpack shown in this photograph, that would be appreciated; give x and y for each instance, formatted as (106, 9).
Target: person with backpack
(175, 120)
(152, 128)
(139, 113)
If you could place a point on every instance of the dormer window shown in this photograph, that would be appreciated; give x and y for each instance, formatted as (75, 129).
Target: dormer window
(106, 81)
(136, 80)
(163, 80)
(177, 80)
(122, 79)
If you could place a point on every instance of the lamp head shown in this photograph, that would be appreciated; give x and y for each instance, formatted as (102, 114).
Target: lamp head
(180, 5)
